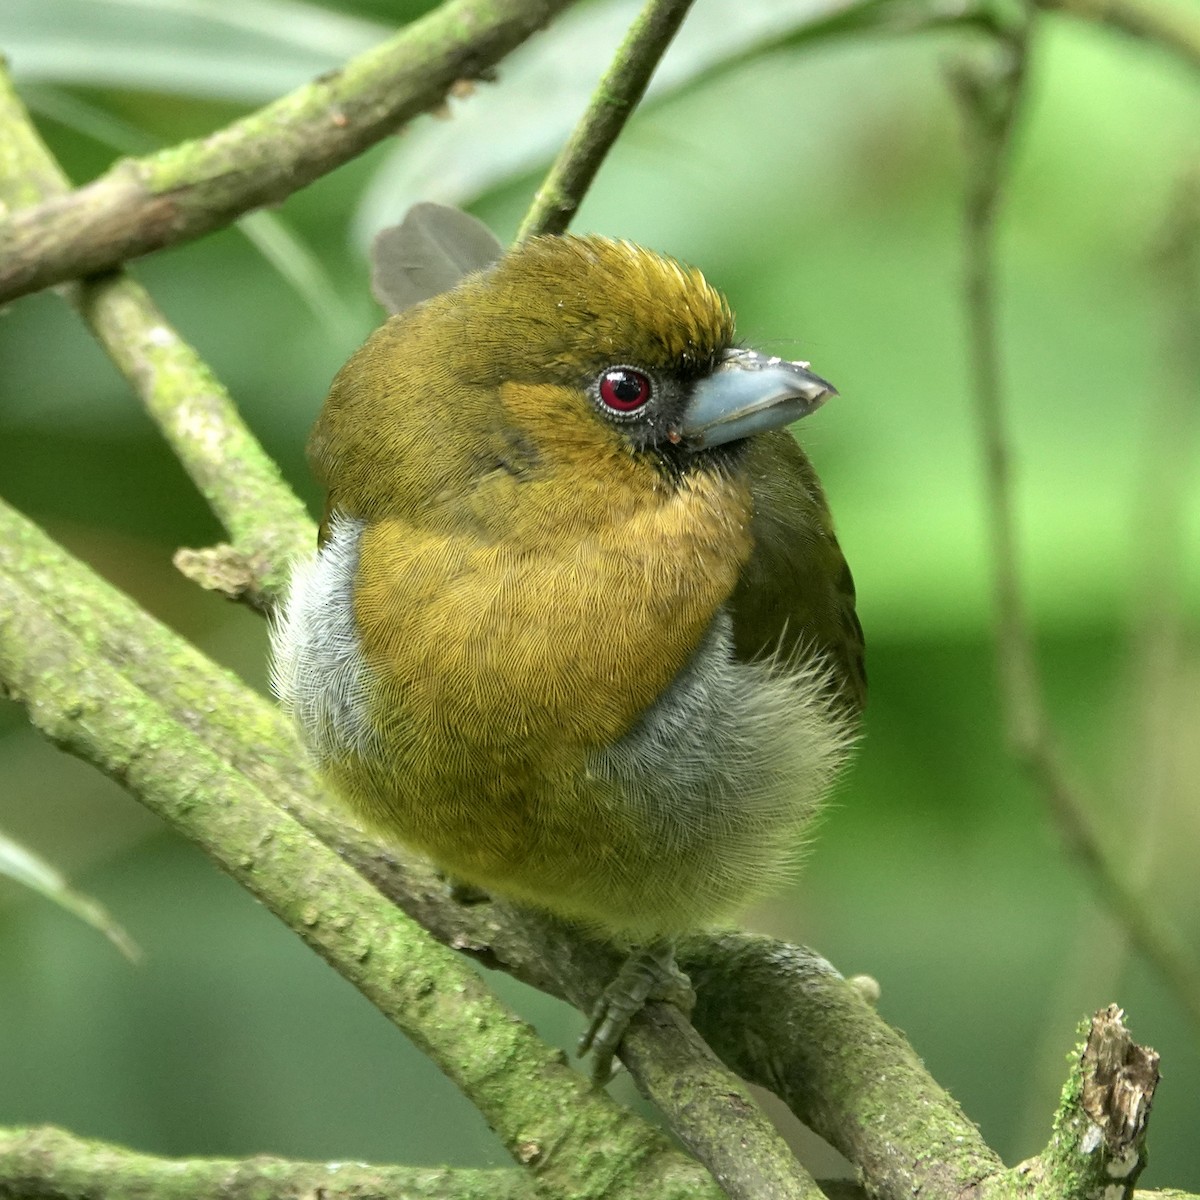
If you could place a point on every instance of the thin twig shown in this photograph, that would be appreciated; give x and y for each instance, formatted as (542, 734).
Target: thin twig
(1161, 703)
(188, 190)
(265, 521)
(990, 96)
(1162, 654)
(618, 94)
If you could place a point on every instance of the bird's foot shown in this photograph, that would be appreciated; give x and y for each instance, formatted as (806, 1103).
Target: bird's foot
(649, 973)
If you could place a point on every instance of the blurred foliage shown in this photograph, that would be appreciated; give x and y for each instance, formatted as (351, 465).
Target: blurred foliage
(820, 188)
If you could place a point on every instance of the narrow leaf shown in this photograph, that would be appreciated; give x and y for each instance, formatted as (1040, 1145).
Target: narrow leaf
(250, 51)
(26, 868)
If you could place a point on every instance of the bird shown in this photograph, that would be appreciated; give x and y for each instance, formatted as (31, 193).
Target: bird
(578, 627)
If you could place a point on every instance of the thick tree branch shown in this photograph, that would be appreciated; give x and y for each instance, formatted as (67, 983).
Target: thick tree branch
(837, 1065)
(575, 1140)
(989, 93)
(267, 524)
(188, 190)
(778, 1016)
(619, 92)
(45, 1163)
(704, 1102)
(51, 1164)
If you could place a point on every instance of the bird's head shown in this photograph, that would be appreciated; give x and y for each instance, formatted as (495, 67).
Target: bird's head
(573, 356)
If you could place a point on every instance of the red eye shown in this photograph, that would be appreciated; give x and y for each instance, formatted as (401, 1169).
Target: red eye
(624, 390)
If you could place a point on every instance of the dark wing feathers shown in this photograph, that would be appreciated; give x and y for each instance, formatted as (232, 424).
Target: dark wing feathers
(796, 593)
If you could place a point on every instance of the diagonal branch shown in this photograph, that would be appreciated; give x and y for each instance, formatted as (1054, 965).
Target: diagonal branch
(144, 204)
(267, 524)
(576, 1140)
(619, 92)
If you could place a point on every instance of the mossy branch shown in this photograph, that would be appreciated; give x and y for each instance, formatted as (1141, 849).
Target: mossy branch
(50, 1164)
(145, 204)
(619, 92)
(1098, 1148)
(180, 193)
(220, 763)
(265, 521)
(44, 1163)
(575, 1139)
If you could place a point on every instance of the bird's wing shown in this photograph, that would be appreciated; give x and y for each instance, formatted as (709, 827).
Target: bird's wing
(796, 594)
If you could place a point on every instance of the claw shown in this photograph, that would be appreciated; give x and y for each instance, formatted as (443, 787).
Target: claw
(649, 973)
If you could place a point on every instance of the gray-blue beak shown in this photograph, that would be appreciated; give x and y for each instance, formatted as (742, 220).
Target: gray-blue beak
(749, 393)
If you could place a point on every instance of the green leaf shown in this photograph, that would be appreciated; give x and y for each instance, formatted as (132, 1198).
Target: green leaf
(241, 50)
(26, 868)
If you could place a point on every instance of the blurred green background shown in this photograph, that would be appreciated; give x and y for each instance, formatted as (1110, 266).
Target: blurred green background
(819, 186)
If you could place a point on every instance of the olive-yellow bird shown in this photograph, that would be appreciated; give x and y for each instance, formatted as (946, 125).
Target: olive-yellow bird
(579, 628)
